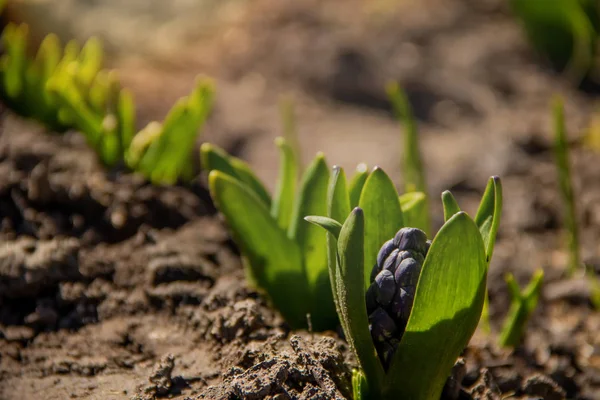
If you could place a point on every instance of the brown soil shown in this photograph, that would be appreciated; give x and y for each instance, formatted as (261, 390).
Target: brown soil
(111, 288)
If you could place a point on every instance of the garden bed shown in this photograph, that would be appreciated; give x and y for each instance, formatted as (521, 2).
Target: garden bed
(111, 288)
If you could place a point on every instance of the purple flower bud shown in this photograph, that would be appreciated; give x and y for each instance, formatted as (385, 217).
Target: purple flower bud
(381, 325)
(374, 272)
(390, 262)
(407, 296)
(407, 273)
(385, 251)
(386, 287)
(386, 351)
(405, 254)
(371, 297)
(411, 239)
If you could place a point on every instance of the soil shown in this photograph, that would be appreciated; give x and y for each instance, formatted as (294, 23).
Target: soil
(111, 288)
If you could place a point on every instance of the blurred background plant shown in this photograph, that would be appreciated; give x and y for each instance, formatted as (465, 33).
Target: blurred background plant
(566, 32)
(66, 88)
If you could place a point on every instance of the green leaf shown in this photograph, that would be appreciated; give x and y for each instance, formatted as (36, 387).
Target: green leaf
(140, 144)
(176, 145)
(450, 205)
(312, 200)
(126, 117)
(215, 158)
(274, 261)
(283, 202)
(522, 306)
(15, 40)
(412, 167)
(489, 213)
(351, 295)
(290, 132)
(46, 61)
(356, 184)
(414, 210)
(446, 310)
(331, 225)
(381, 205)
(338, 202)
(563, 165)
(360, 390)
(83, 118)
(89, 61)
(338, 208)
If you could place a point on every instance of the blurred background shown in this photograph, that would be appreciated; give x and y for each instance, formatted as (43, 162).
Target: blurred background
(480, 83)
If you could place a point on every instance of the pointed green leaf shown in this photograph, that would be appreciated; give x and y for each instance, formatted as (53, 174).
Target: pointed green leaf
(489, 213)
(383, 215)
(450, 205)
(290, 132)
(412, 167)
(338, 208)
(563, 166)
(312, 200)
(89, 61)
(126, 117)
(83, 118)
(283, 201)
(351, 295)
(274, 261)
(15, 40)
(356, 184)
(338, 202)
(331, 225)
(521, 308)
(215, 158)
(140, 143)
(446, 310)
(414, 210)
(360, 389)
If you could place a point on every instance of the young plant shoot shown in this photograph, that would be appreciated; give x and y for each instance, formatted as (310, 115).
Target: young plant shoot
(565, 32)
(66, 88)
(408, 306)
(412, 165)
(522, 306)
(563, 166)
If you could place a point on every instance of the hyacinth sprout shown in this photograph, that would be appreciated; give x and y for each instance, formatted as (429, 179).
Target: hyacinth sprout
(408, 306)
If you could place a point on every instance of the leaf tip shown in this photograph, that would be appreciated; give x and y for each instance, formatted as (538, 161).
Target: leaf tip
(279, 141)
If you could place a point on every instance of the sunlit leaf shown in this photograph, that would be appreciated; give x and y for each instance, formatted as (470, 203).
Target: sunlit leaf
(446, 310)
(283, 201)
(275, 262)
(383, 215)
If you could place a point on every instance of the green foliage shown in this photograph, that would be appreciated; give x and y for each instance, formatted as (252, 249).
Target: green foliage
(522, 306)
(561, 152)
(449, 295)
(412, 165)
(66, 88)
(284, 256)
(565, 31)
(164, 152)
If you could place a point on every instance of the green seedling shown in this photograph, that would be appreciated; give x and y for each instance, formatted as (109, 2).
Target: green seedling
(380, 269)
(24, 80)
(164, 153)
(284, 256)
(66, 88)
(561, 152)
(522, 306)
(566, 32)
(412, 165)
